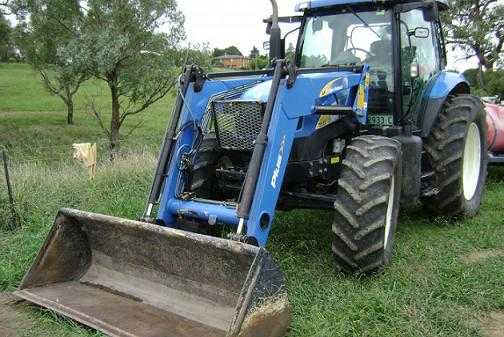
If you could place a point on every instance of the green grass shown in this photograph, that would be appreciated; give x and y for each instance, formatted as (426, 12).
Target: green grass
(33, 123)
(429, 290)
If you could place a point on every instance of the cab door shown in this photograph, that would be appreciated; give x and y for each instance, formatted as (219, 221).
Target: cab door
(420, 58)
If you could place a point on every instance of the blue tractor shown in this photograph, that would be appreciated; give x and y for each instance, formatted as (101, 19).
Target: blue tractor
(363, 119)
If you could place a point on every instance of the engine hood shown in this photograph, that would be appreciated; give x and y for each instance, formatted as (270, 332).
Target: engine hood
(258, 93)
(335, 91)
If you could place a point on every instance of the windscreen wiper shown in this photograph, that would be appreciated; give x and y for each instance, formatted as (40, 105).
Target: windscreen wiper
(363, 21)
(349, 64)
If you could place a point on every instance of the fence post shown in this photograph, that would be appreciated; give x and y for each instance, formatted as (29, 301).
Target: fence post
(15, 220)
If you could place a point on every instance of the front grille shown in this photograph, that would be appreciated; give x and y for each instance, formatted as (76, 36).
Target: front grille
(237, 123)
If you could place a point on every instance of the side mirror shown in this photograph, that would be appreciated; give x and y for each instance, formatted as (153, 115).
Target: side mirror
(420, 33)
(266, 45)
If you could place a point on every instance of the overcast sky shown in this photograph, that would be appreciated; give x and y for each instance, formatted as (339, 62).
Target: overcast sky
(223, 23)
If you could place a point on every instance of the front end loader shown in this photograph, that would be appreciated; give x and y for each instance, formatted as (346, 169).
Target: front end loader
(363, 120)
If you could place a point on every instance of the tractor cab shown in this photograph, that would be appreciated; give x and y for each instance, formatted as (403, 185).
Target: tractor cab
(400, 41)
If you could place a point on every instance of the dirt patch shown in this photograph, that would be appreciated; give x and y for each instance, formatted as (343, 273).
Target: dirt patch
(271, 319)
(482, 255)
(492, 324)
(14, 321)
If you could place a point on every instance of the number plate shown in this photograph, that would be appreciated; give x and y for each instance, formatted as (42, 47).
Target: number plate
(381, 120)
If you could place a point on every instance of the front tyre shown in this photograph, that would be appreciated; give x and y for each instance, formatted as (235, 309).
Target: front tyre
(367, 205)
(456, 154)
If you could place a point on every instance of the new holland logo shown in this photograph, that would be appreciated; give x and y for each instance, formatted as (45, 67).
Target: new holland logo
(276, 172)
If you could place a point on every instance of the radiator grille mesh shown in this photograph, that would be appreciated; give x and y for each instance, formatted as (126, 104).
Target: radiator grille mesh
(237, 123)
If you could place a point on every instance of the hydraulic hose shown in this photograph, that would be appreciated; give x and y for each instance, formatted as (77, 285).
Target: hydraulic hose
(166, 149)
(255, 165)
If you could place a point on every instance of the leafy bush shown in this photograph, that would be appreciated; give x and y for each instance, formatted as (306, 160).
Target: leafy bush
(493, 82)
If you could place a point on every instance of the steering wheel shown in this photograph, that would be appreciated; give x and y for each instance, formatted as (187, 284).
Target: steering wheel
(368, 54)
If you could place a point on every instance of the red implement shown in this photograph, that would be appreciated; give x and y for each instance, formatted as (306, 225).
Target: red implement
(495, 122)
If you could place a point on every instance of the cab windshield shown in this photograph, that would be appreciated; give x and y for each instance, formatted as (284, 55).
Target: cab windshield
(352, 38)
(348, 38)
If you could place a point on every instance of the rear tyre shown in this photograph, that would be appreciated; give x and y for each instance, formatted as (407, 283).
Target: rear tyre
(367, 205)
(202, 181)
(456, 154)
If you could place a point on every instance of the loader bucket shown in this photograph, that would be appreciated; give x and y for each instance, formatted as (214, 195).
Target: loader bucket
(128, 278)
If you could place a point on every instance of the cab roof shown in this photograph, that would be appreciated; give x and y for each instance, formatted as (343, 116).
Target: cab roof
(314, 4)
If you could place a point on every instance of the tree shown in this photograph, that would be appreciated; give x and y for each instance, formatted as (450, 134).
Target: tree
(136, 62)
(254, 53)
(495, 83)
(218, 52)
(7, 50)
(260, 62)
(50, 40)
(477, 27)
(4, 7)
(227, 51)
(233, 51)
(199, 54)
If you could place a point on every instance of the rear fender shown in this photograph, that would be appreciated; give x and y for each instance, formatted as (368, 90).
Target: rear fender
(440, 87)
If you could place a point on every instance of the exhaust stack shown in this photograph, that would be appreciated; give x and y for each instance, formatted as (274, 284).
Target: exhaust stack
(275, 35)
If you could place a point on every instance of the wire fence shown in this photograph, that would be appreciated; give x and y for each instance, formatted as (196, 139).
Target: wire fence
(62, 153)
(22, 165)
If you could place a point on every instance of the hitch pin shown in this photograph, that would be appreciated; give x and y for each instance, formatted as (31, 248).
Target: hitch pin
(149, 210)
(240, 226)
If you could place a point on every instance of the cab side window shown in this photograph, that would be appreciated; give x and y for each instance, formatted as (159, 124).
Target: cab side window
(419, 57)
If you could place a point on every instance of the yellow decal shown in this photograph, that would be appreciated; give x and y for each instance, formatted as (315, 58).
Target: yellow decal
(335, 160)
(361, 97)
(323, 121)
(327, 88)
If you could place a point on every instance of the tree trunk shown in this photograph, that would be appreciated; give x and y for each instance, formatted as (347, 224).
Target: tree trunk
(481, 78)
(70, 111)
(115, 124)
(70, 105)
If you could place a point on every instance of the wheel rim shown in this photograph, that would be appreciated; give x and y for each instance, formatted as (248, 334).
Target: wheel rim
(472, 162)
(390, 211)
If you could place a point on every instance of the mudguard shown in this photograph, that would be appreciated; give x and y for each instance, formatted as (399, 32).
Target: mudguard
(439, 88)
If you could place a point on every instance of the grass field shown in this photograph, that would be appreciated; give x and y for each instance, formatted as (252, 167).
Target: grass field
(447, 277)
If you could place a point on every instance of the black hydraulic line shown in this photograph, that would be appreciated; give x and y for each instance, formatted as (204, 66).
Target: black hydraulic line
(168, 142)
(397, 66)
(255, 165)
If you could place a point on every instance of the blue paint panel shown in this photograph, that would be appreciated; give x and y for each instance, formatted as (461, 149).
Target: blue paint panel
(438, 89)
(326, 3)
(195, 110)
(204, 211)
(292, 104)
(259, 93)
(444, 82)
(281, 135)
(301, 100)
(314, 4)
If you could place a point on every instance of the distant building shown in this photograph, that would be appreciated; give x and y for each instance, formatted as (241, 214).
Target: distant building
(232, 61)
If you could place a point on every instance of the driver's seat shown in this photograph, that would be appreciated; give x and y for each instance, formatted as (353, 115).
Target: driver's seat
(381, 53)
